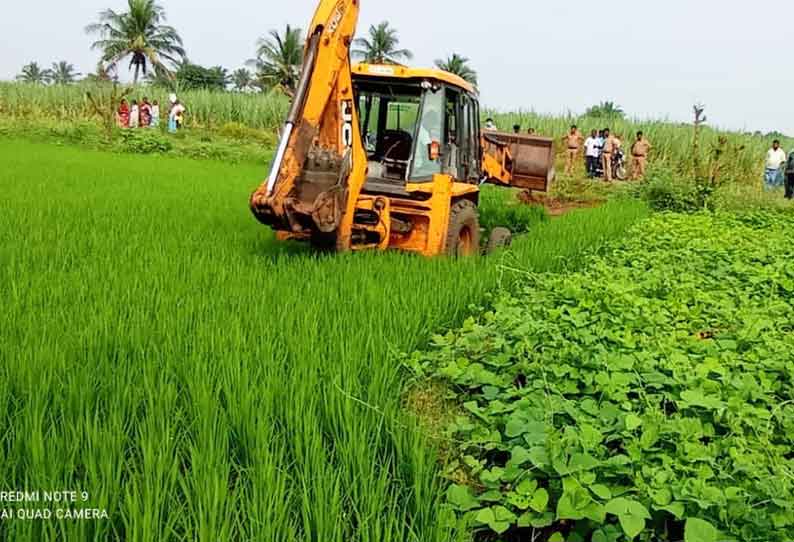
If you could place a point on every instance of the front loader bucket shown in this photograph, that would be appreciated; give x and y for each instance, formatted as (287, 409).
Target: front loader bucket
(529, 158)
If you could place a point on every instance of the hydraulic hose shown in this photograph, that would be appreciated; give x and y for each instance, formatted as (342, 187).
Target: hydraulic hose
(295, 110)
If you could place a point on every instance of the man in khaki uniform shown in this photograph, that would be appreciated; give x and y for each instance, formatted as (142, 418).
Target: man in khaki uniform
(639, 157)
(573, 146)
(610, 146)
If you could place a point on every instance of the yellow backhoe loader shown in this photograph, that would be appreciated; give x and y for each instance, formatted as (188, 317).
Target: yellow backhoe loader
(387, 157)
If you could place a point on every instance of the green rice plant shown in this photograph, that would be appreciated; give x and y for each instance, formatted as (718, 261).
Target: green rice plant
(501, 207)
(201, 381)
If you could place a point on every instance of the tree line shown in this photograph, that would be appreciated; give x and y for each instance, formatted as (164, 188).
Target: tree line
(157, 55)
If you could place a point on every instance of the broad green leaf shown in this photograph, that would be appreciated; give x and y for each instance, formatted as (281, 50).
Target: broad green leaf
(515, 427)
(540, 500)
(520, 455)
(556, 537)
(677, 509)
(630, 513)
(567, 509)
(527, 487)
(487, 517)
(539, 457)
(601, 491)
(462, 498)
(633, 422)
(632, 525)
(521, 502)
(493, 495)
(698, 530)
(697, 398)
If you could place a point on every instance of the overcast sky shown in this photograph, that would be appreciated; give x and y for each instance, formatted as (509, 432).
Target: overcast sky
(653, 58)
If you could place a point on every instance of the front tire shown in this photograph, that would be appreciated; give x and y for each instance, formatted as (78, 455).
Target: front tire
(463, 235)
(499, 238)
(620, 173)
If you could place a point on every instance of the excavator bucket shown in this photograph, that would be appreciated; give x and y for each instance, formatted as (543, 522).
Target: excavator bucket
(526, 161)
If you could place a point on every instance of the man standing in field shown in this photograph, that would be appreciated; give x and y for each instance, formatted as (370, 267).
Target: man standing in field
(639, 157)
(775, 158)
(573, 144)
(592, 150)
(610, 146)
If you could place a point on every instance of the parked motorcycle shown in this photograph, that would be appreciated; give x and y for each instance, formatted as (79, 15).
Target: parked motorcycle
(619, 170)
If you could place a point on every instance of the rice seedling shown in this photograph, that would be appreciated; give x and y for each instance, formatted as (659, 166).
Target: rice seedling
(201, 381)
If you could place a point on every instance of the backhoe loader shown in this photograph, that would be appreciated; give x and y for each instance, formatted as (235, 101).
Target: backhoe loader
(386, 156)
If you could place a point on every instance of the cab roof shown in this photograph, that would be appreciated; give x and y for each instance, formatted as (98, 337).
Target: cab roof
(403, 72)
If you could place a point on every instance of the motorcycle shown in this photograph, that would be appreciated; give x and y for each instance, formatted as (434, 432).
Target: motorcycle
(619, 170)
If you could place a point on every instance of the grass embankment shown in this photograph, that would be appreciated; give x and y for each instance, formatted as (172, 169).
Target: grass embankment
(648, 396)
(200, 380)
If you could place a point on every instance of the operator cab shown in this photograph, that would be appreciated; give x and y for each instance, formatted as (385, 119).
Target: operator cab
(415, 124)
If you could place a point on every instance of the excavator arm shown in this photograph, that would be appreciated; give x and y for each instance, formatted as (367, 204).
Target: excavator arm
(320, 164)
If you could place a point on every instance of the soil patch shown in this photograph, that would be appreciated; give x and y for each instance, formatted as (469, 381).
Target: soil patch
(558, 207)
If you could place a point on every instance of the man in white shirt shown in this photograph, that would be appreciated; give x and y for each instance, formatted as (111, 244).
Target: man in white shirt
(592, 152)
(775, 158)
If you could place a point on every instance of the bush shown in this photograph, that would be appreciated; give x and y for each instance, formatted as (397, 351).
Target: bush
(667, 191)
(241, 132)
(501, 208)
(644, 398)
(144, 141)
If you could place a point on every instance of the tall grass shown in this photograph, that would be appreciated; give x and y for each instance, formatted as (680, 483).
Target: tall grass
(202, 382)
(215, 110)
(205, 108)
(672, 142)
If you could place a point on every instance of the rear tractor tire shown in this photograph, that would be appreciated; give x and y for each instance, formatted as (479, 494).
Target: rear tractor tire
(499, 238)
(463, 235)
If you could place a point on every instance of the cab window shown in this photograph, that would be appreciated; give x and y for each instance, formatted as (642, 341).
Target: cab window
(431, 129)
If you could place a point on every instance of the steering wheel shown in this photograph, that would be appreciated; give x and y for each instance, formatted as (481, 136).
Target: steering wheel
(400, 150)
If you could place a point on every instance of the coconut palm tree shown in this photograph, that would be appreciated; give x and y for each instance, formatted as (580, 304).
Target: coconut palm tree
(102, 74)
(459, 65)
(381, 47)
(606, 110)
(63, 73)
(242, 79)
(278, 59)
(137, 34)
(32, 73)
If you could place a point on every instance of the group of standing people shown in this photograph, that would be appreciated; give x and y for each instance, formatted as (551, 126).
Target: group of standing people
(147, 114)
(601, 150)
(777, 167)
(135, 115)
